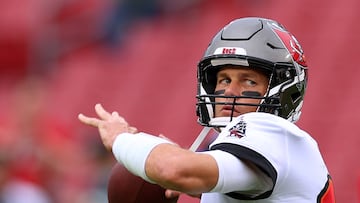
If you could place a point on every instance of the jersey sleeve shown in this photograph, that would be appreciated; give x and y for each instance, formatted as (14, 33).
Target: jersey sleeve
(256, 138)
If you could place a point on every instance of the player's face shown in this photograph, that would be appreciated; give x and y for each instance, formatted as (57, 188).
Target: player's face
(233, 81)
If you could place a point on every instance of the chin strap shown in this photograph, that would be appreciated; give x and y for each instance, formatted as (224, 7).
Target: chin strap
(200, 138)
(218, 121)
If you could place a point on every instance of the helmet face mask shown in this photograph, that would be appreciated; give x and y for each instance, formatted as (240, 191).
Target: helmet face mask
(260, 44)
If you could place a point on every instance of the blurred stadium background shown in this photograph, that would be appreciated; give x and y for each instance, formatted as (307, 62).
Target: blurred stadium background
(139, 57)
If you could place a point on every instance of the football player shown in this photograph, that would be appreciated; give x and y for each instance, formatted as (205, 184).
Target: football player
(251, 85)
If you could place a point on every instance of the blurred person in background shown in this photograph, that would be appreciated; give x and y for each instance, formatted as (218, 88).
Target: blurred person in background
(24, 161)
(124, 14)
(41, 152)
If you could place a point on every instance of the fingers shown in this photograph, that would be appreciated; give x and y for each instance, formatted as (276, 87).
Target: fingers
(101, 112)
(105, 118)
(131, 129)
(88, 120)
(115, 115)
(105, 115)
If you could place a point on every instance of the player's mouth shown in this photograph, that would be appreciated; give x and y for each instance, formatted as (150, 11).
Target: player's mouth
(228, 110)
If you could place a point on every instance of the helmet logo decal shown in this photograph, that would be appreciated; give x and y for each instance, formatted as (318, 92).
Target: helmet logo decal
(291, 44)
(230, 50)
(238, 130)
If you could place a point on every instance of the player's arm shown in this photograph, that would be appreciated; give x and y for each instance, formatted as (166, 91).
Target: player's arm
(153, 158)
(180, 169)
(199, 172)
(158, 160)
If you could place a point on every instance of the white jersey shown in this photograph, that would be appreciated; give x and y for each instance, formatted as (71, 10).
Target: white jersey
(288, 155)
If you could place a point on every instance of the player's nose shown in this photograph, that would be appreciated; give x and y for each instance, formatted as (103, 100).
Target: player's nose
(233, 89)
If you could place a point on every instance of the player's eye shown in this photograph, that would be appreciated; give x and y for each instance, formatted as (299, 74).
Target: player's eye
(250, 83)
(224, 81)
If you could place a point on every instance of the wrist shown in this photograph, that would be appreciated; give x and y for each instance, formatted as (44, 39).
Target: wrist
(132, 150)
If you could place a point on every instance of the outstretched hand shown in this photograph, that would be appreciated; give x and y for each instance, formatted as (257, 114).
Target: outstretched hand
(110, 125)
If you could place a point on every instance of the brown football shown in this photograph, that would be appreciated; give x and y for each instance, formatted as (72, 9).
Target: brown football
(124, 187)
